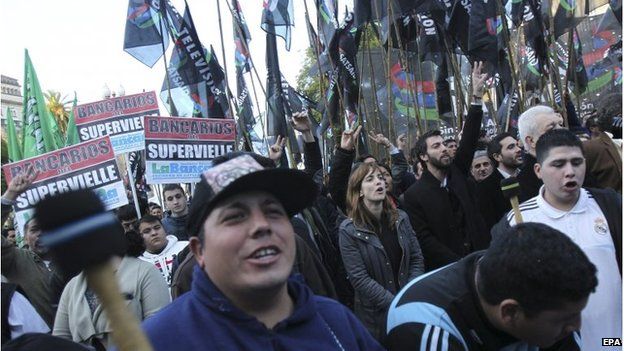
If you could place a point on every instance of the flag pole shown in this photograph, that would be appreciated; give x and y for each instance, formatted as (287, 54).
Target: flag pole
(318, 64)
(411, 86)
(555, 72)
(228, 96)
(376, 110)
(172, 109)
(569, 68)
(253, 67)
(500, 9)
(391, 131)
(457, 82)
(132, 185)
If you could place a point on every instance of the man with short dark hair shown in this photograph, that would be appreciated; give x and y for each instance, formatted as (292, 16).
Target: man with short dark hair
(156, 211)
(30, 267)
(592, 218)
(161, 249)
(525, 292)
(506, 155)
(441, 204)
(176, 202)
(128, 217)
(243, 296)
(451, 146)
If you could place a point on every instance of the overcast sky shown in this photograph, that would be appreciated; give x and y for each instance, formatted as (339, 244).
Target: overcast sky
(77, 45)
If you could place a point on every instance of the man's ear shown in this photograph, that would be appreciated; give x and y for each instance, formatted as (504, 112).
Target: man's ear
(497, 157)
(196, 249)
(509, 311)
(537, 168)
(528, 143)
(423, 157)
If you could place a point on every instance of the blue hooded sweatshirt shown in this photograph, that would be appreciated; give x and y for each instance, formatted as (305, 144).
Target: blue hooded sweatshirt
(204, 319)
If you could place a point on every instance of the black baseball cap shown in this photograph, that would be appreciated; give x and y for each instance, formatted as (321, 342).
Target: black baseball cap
(294, 189)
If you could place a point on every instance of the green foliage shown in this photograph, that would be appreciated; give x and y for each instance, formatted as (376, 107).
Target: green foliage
(59, 108)
(310, 85)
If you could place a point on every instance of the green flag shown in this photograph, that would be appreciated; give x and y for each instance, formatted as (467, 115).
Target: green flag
(41, 133)
(72, 131)
(14, 146)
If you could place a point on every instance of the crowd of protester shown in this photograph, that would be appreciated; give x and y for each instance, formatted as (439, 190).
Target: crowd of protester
(419, 251)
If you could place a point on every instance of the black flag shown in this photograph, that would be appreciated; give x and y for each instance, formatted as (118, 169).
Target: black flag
(327, 21)
(429, 46)
(143, 38)
(569, 13)
(196, 79)
(243, 101)
(276, 117)
(348, 41)
(485, 30)
(277, 18)
(459, 23)
(241, 38)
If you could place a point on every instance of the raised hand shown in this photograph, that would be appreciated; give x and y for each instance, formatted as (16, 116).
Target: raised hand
(401, 142)
(349, 138)
(379, 139)
(20, 183)
(276, 150)
(478, 79)
(300, 121)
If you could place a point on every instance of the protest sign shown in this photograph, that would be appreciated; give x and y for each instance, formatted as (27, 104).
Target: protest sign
(179, 149)
(121, 118)
(88, 165)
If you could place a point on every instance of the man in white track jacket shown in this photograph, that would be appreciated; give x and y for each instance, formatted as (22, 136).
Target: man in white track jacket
(161, 250)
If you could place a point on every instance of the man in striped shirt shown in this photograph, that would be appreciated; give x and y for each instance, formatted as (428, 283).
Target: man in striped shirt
(526, 292)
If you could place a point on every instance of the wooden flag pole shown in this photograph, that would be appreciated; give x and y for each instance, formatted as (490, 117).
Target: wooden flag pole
(410, 85)
(555, 72)
(228, 96)
(318, 63)
(503, 18)
(132, 185)
(172, 109)
(253, 67)
(377, 121)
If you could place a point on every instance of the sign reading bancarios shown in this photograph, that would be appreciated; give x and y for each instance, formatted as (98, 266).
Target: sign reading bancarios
(121, 118)
(88, 165)
(179, 149)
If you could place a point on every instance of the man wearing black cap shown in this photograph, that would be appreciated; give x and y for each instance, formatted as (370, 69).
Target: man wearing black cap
(243, 296)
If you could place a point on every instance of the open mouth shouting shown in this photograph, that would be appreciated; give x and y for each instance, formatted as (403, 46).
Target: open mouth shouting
(571, 186)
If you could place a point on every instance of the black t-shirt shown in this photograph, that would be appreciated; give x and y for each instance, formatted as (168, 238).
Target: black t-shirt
(390, 241)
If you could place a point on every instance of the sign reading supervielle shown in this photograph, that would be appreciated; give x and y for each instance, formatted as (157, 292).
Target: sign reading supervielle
(121, 118)
(179, 149)
(88, 165)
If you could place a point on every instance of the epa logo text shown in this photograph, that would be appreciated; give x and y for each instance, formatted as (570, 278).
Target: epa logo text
(611, 342)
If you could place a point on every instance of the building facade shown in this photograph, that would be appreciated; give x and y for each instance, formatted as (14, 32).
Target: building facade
(11, 97)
